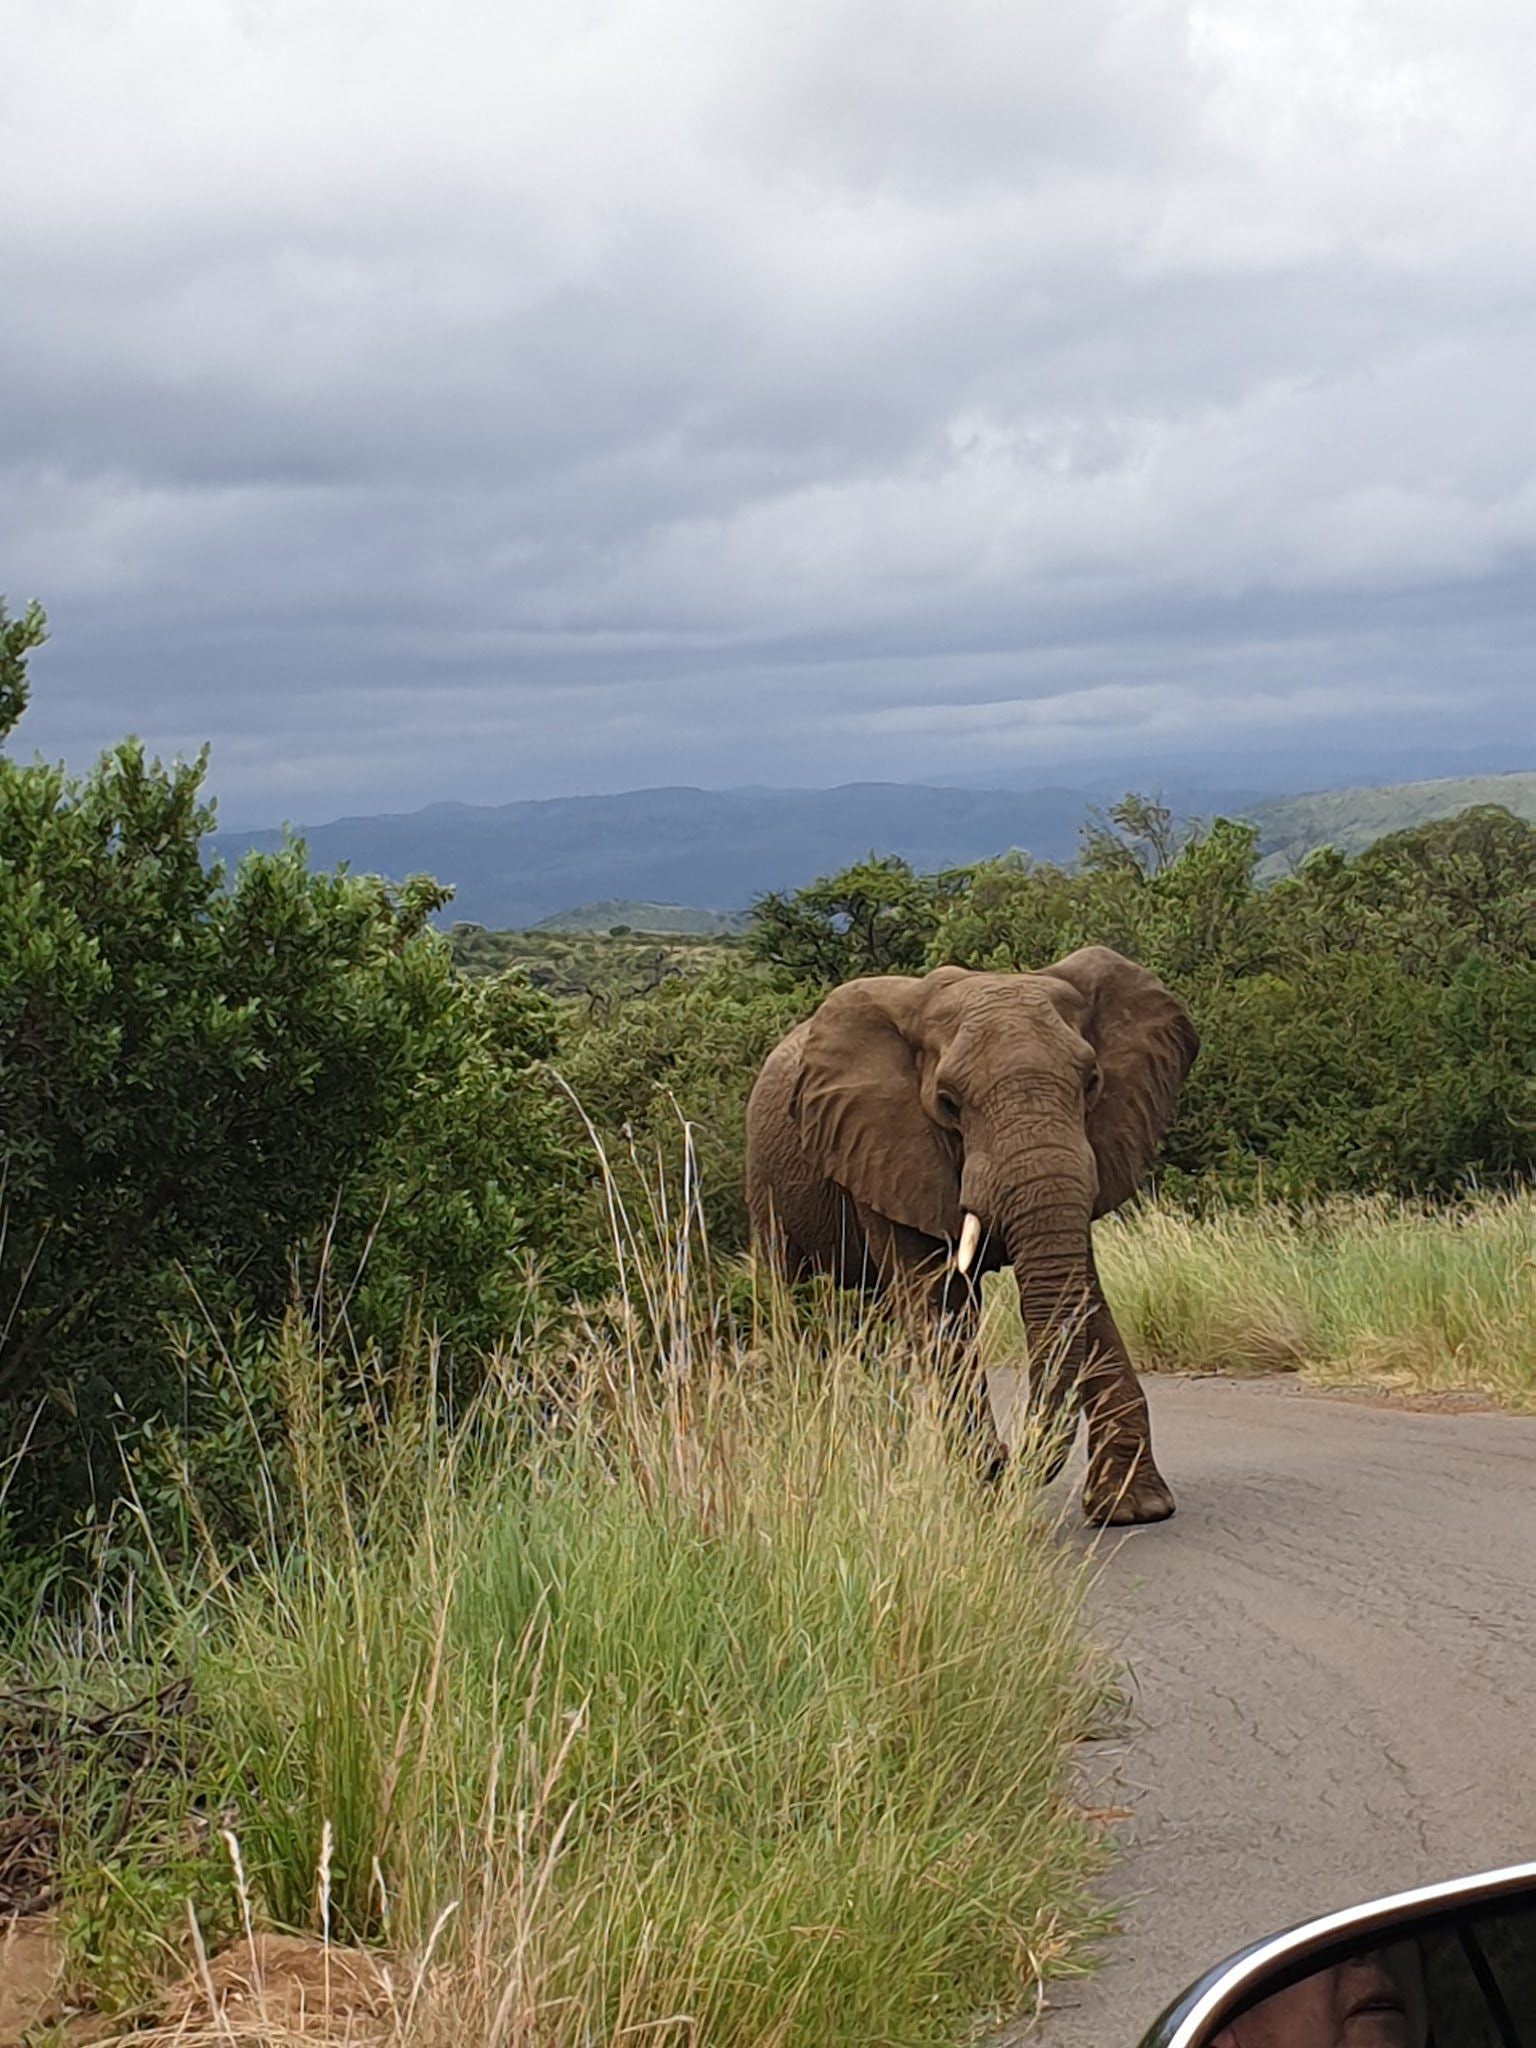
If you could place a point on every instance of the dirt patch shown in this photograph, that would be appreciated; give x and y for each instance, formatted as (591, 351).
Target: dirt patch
(30, 1970)
(273, 1988)
(284, 1986)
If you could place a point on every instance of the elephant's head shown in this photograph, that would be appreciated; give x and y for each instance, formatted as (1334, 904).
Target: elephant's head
(1030, 1103)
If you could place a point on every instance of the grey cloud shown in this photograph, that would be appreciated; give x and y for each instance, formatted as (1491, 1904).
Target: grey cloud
(492, 402)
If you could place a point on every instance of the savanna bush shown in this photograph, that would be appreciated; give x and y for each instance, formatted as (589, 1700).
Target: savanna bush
(687, 1054)
(214, 1085)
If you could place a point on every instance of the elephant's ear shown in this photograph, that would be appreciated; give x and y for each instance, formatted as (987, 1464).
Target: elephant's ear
(1146, 1045)
(859, 1111)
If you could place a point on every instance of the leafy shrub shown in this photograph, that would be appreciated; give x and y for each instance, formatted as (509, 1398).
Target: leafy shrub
(877, 917)
(686, 1054)
(211, 1086)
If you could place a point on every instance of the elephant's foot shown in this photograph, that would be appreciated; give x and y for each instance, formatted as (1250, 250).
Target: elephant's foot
(1125, 1491)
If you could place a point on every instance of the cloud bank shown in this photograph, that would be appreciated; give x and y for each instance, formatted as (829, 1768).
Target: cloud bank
(487, 402)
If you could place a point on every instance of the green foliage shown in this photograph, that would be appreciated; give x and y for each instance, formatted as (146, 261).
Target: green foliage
(1434, 898)
(686, 1054)
(875, 918)
(211, 1086)
(18, 637)
(1138, 832)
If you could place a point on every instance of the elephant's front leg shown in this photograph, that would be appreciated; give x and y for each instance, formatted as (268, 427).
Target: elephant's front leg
(954, 1318)
(1123, 1484)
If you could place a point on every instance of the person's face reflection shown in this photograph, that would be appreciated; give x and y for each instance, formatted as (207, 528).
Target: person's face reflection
(1370, 2001)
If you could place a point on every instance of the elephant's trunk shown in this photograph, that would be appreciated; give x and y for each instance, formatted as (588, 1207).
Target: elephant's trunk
(1053, 1311)
(1046, 1231)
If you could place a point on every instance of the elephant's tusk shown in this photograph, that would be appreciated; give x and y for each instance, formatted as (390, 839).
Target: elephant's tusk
(970, 1238)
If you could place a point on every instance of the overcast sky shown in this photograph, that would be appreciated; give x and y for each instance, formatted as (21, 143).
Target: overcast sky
(500, 398)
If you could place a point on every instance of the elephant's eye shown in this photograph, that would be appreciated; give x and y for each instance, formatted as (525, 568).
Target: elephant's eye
(1093, 1084)
(948, 1108)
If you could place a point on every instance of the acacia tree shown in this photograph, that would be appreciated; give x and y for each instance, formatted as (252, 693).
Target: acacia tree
(1138, 834)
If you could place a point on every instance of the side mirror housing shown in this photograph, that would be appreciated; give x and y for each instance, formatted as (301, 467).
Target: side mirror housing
(1448, 1966)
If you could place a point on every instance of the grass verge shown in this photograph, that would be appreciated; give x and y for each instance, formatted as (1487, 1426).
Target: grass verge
(686, 1689)
(1416, 1300)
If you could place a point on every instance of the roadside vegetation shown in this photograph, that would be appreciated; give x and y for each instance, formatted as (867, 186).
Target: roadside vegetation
(1404, 1297)
(682, 1686)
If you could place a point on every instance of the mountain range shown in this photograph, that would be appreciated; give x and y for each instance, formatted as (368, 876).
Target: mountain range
(584, 857)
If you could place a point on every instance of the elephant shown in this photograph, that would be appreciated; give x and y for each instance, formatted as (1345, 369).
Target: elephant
(919, 1131)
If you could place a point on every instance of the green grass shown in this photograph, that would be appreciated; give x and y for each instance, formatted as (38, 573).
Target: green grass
(688, 1689)
(1416, 1300)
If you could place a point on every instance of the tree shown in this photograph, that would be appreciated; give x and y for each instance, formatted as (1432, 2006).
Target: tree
(1436, 894)
(18, 638)
(687, 1052)
(1138, 833)
(1019, 914)
(876, 917)
(211, 1085)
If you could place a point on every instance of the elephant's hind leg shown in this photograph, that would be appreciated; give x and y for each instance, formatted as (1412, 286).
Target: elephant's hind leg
(1123, 1484)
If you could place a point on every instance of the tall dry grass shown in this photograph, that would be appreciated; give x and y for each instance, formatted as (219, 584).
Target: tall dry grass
(687, 1689)
(1414, 1299)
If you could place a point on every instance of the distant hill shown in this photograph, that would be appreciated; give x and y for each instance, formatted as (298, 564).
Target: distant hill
(658, 920)
(1291, 827)
(514, 864)
(657, 852)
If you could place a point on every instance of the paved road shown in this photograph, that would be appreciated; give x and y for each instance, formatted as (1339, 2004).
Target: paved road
(1332, 1649)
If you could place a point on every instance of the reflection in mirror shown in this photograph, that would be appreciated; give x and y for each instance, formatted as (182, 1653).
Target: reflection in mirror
(1460, 1979)
(1375, 1999)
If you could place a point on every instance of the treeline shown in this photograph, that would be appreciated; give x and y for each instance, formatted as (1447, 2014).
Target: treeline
(227, 1099)
(1367, 1025)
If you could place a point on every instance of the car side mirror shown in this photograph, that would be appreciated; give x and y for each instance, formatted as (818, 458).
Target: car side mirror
(1450, 1966)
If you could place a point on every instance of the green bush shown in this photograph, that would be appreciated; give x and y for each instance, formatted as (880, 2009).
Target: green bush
(877, 917)
(211, 1087)
(687, 1054)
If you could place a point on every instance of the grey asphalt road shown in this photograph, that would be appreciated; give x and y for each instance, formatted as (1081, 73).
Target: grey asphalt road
(1331, 1652)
